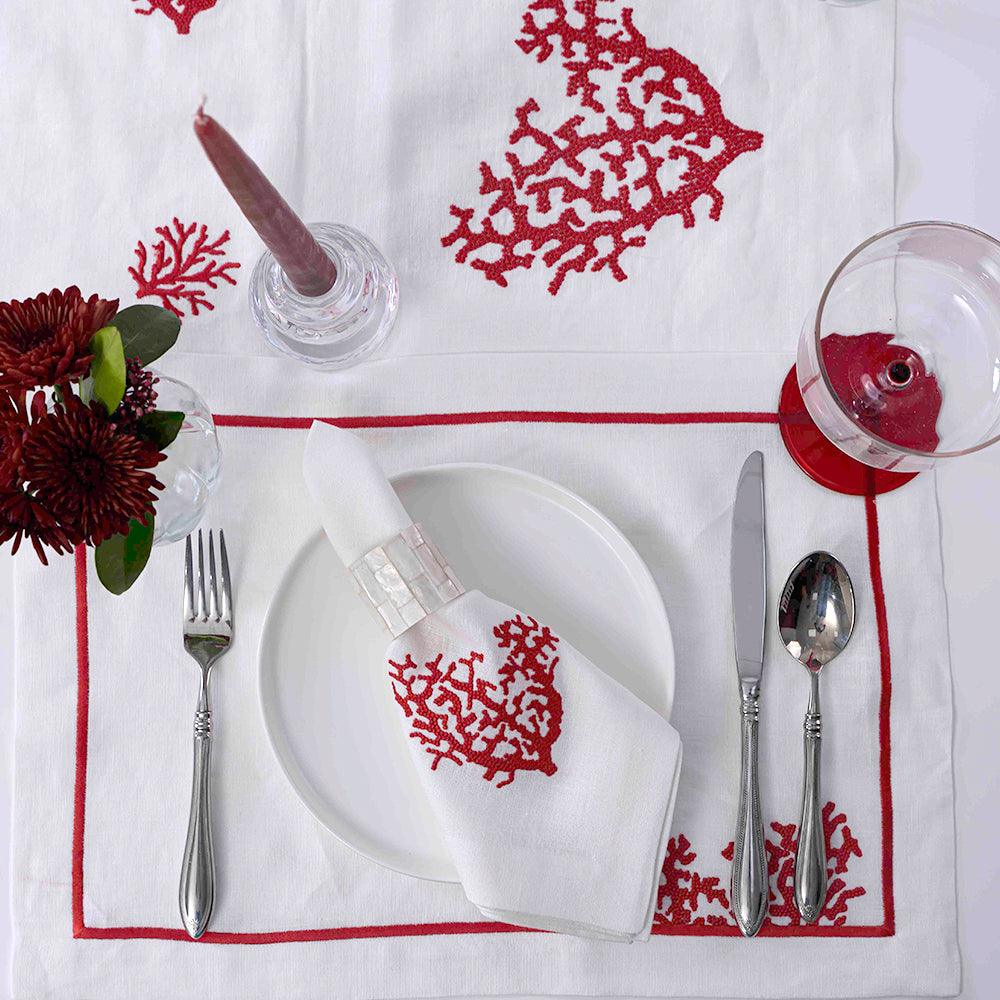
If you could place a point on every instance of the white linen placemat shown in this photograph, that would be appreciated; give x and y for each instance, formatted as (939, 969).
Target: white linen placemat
(655, 442)
(385, 115)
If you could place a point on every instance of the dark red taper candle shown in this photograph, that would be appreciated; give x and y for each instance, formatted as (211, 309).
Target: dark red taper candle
(305, 263)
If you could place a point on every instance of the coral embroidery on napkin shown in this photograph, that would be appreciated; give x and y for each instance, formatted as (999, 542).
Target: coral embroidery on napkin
(505, 727)
(649, 140)
(686, 897)
(184, 264)
(181, 12)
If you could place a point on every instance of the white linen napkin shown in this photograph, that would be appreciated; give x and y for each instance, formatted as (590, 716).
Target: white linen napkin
(105, 695)
(533, 759)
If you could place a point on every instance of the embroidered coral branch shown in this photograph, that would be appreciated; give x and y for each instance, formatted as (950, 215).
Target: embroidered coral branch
(650, 142)
(683, 894)
(460, 716)
(183, 265)
(181, 12)
(781, 869)
(781, 866)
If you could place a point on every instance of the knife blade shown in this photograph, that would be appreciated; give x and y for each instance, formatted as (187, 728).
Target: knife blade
(749, 593)
(747, 571)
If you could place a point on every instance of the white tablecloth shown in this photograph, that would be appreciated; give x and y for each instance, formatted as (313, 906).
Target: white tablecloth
(380, 115)
(946, 71)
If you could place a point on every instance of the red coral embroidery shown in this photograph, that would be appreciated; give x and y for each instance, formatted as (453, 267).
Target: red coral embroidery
(686, 897)
(652, 140)
(178, 268)
(781, 867)
(502, 728)
(682, 891)
(181, 12)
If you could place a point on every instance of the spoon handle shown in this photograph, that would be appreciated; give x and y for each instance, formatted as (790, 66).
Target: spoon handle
(748, 891)
(810, 858)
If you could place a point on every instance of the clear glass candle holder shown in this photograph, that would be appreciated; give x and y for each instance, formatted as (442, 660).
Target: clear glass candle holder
(192, 469)
(345, 325)
(899, 364)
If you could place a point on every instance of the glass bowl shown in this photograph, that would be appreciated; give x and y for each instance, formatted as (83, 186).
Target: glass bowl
(193, 466)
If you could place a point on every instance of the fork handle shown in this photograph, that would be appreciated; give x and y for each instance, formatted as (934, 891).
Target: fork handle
(197, 888)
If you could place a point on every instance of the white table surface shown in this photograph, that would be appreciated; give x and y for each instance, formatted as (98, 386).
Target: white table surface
(948, 167)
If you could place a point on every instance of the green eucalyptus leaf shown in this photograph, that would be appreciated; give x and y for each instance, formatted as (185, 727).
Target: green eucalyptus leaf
(108, 367)
(147, 332)
(161, 426)
(121, 559)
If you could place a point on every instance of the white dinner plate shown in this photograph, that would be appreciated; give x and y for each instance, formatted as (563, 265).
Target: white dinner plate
(328, 708)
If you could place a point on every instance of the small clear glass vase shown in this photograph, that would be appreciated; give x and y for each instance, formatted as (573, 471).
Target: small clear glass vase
(193, 467)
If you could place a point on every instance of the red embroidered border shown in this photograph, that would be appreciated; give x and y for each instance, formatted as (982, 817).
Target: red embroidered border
(886, 929)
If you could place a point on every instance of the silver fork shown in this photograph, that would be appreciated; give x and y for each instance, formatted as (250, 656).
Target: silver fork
(208, 631)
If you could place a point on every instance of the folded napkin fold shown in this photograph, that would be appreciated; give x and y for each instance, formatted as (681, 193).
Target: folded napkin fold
(554, 785)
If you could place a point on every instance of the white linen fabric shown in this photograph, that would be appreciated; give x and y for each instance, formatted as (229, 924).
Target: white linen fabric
(541, 771)
(380, 115)
(387, 115)
(301, 916)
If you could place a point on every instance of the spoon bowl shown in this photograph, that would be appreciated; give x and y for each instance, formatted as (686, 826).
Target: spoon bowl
(816, 611)
(815, 621)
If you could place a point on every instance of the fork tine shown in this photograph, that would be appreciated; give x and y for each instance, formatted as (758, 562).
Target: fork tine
(201, 577)
(227, 590)
(213, 593)
(188, 581)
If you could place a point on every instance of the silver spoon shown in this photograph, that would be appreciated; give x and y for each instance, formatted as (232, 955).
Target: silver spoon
(815, 619)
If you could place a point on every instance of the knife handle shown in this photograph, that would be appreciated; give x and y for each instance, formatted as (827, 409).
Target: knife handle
(749, 889)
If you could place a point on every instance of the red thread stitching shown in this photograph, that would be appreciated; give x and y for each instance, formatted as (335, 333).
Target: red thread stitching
(181, 12)
(82, 718)
(81, 930)
(884, 710)
(495, 417)
(176, 269)
(683, 892)
(502, 728)
(652, 140)
(686, 897)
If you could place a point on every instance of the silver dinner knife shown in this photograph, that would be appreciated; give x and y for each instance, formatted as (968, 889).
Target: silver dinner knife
(749, 878)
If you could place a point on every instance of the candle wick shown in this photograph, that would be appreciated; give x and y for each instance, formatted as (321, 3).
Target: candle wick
(199, 115)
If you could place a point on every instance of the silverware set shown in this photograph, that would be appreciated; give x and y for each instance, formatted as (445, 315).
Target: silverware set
(815, 621)
(208, 632)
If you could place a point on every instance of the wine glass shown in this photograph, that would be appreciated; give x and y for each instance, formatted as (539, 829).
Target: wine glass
(898, 366)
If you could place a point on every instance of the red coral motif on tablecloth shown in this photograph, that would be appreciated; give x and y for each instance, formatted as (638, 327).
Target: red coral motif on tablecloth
(505, 727)
(686, 897)
(649, 141)
(184, 264)
(181, 12)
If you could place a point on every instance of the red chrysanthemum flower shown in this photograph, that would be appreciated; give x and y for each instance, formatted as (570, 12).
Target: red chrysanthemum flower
(89, 473)
(45, 340)
(24, 516)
